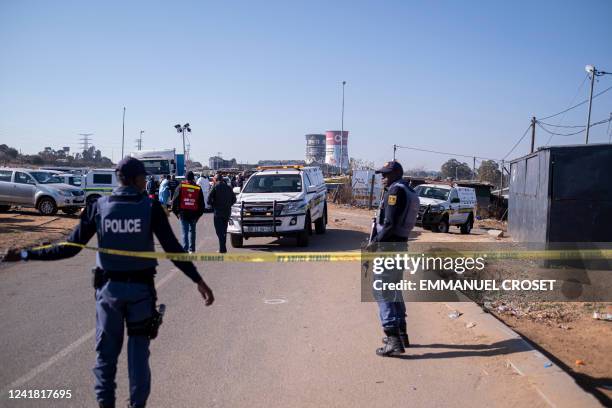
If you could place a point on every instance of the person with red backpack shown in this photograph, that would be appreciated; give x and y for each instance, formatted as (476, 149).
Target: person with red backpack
(188, 205)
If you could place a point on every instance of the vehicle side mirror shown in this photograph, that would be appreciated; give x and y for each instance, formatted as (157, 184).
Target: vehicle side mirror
(455, 200)
(311, 189)
(236, 190)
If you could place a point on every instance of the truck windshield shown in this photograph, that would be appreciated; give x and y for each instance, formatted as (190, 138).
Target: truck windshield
(274, 183)
(43, 177)
(437, 193)
(157, 166)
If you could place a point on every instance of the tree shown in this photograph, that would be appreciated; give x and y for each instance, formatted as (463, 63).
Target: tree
(456, 170)
(489, 171)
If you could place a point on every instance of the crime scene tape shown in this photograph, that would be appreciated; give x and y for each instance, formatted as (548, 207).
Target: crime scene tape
(349, 256)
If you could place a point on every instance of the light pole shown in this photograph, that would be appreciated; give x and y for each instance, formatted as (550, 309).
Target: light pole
(342, 131)
(182, 129)
(593, 72)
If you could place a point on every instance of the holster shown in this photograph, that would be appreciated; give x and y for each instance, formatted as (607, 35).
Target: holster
(98, 278)
(148, 327)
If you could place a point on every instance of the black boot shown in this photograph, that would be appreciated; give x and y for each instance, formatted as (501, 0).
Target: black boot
(393, 345)
(106, 405)
(403, 336)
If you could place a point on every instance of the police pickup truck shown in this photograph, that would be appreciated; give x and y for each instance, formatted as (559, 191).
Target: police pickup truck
(280, 201)
(442, 205)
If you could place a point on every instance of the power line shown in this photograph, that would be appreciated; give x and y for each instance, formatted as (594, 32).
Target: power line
(573, 133)
(444, 153)
(518, 142)
(577, 105)
(562, 126)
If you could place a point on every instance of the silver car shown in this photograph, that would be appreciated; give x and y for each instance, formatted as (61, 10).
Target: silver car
(39, 189)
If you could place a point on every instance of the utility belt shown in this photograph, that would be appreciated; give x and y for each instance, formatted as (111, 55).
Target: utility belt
(100, 276)
(148, 327)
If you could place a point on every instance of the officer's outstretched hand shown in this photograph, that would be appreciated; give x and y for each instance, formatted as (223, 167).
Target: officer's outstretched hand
(206, 293)
(12, 255)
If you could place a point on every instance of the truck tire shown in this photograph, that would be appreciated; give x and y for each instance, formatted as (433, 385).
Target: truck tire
(442, 226)
(303, 236)
(47, 206)
(467, 227)
(320, 224)
(236, 240)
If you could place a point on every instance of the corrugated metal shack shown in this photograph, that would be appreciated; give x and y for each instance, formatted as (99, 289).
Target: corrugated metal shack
(562, 194)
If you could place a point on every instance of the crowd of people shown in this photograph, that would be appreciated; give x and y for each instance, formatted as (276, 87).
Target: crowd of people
(190, 199)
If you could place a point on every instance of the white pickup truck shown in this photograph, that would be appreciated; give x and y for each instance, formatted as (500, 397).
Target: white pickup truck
(442, 205)
(280, 201)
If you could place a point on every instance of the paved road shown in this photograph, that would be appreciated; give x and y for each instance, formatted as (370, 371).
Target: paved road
(315, 347)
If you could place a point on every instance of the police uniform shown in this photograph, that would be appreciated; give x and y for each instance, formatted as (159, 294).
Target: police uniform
(396, 217)
(125, 291)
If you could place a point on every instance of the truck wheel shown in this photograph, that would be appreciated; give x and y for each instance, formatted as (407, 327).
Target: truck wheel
(304, 235)
(46, 206)
(442, 226)
(4, 208)
(236, 240)
(467, 227)
(70, 210)
(320, 226)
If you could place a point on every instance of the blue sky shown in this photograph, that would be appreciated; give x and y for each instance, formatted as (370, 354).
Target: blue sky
(253, 78)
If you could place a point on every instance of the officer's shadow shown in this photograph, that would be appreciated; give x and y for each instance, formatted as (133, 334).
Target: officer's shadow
(466, 350)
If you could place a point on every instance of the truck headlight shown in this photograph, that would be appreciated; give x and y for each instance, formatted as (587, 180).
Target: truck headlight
(235, 210)
(436, 208)
(66, 193)
(294, 207)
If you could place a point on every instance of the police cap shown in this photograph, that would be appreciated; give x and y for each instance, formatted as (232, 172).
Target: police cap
(391, 167)
(131, 167)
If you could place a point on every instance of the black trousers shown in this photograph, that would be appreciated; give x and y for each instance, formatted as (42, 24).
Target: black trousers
(221, 230)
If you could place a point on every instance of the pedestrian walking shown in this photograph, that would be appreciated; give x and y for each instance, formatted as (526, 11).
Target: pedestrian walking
(164, 191)
(395, 219)
(204, 184)
(172, 185)
(188, 205)
(125, 290)
(151, 187)
(221, 198)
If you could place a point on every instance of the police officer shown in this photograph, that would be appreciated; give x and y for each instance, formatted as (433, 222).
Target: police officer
(395, 219)
(125, 291)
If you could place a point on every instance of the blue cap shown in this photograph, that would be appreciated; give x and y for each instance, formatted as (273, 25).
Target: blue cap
(391, 167)
(131, 167)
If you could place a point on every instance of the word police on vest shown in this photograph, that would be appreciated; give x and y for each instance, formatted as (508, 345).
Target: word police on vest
(122, 226)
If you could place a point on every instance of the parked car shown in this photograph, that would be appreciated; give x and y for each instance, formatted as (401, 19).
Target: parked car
(280, 201)
(71, 179)
(442, 205)
(99, 182)
(39, 189)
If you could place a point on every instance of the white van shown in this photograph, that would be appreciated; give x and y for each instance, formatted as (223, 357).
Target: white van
(280, 201)
(443, 205)
(99, 182)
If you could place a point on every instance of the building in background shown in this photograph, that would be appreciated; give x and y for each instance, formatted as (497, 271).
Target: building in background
(217, 162)
(315, 148)
(336, 145)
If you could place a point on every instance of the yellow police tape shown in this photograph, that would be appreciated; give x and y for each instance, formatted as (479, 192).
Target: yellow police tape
(349, 256)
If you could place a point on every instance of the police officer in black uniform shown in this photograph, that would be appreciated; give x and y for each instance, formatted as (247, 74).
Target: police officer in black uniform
(125, 291)
(395, 219)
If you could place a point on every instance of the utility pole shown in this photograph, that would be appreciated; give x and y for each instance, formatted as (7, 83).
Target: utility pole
(123, 134)
(342, 131)
(533, 125)
(474, 169)
(394, 150)
(139, 141)
(182, 129)
(593, 72)
(609, 132)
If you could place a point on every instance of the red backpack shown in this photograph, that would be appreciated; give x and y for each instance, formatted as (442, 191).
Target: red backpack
(189, 198)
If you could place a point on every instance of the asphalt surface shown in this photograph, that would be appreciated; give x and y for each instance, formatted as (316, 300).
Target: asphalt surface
(278, 335)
